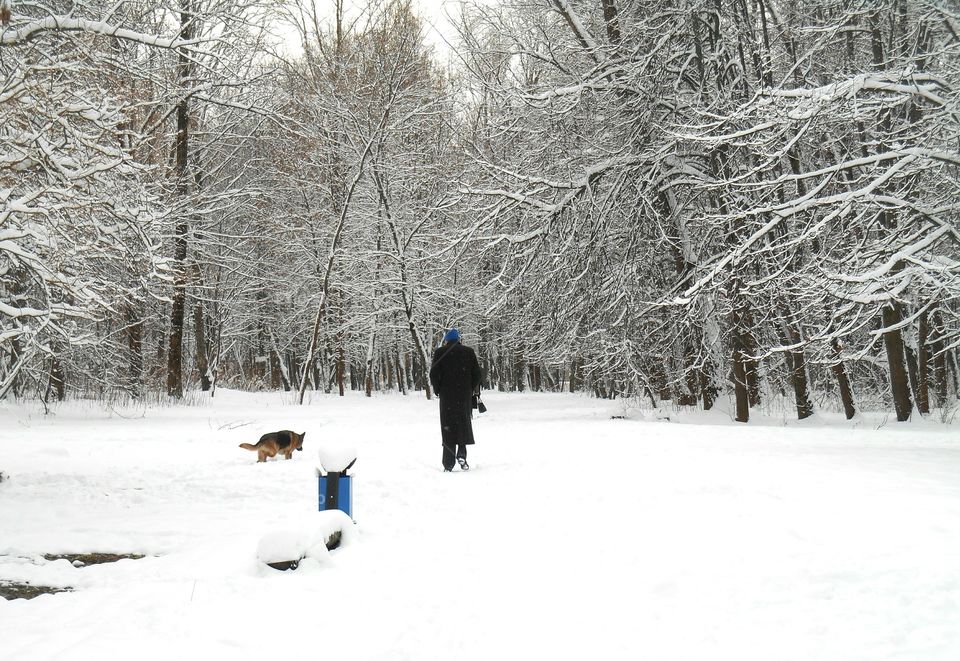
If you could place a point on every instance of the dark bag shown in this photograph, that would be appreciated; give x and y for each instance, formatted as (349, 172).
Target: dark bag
(481, 407)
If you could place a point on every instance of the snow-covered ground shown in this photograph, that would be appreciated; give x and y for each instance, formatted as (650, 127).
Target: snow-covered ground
(575, 536)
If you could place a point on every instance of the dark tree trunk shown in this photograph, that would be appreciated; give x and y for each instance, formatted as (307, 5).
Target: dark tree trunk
(750, 364)
(939, 360)
(899, 382)
(200, 336)
(534, 377)
(708, 389)
(175, 349)
(401, 379)
(370, 361)
(891, 314)
(423, 373)
(741, 383)
(58, 381)
(954, 369)
(135, 347)
(161, 351)
(520, 373)
(611, 21)
(175, 353)
(340, 367)
(408, 365)
(923, 378)
(15, 366)
(740, 379)
(910, 357)
(274, 370)
(292, 371)
(658, 375)
(318, 370)
(688, 396)
(796, 361)
(843, 383)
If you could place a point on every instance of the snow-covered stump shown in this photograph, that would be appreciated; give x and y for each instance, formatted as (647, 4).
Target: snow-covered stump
(286, 549)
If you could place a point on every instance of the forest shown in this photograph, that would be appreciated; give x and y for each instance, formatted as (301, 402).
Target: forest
(675, 201)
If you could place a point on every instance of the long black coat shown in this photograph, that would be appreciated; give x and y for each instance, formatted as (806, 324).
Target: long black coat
(455, 376)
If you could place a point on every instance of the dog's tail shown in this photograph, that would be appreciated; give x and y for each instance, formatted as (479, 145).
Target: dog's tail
(247, 446)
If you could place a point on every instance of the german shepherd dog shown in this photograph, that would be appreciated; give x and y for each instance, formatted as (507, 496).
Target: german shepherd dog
(284, 442)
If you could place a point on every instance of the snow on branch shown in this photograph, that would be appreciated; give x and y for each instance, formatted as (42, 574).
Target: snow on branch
(17, 313)
(925, 86)
(573, 20)
(33, 28)
(840, 203)
(894, 260)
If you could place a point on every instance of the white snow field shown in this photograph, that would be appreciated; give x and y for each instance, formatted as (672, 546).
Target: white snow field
(574, 536)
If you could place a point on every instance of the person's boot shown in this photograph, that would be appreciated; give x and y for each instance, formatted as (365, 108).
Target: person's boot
(464, 466)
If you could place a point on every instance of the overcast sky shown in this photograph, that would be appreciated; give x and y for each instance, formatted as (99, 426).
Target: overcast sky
(434, 13)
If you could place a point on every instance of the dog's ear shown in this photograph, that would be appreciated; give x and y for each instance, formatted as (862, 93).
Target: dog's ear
(303, 436)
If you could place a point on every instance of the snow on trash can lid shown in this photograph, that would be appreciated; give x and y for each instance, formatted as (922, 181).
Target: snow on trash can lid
(336, 458)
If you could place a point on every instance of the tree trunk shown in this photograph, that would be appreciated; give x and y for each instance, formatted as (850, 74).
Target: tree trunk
(58, 381)
(401, 377)
(796, 360)
(939, 359)
(708, 390)
(175, 353)
(750, 364)
(175, 348)
(340, 365)
(899, 383)
(368, 367)
(954, 370)
(910, 358)
(687, 396)
(200, 337)
(422, 351)
(318, 369)
(135, 347)
(291, 369)
(408, 371)
(741, 383)
(521, 383)
(843, 383)
(280, 376)
(923, 378)
(574, 368)
(536, 380)
(796, 363)
(740, 387)
(611, 21)
(215, 363)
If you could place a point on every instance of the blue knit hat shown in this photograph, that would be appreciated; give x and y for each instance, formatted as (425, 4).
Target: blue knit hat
(452, 335)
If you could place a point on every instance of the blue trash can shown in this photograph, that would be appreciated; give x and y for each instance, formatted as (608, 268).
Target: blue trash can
(336, 492)
(335, 485)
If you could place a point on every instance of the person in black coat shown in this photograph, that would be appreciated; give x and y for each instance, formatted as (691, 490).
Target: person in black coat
(455, 377)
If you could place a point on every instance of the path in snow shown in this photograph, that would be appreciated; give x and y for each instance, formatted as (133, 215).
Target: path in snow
(574, 536)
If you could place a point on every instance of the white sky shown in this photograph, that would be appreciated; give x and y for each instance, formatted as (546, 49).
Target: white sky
(434, 12)
(438, 27)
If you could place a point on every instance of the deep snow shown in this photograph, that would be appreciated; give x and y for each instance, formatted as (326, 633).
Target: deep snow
(574, 535)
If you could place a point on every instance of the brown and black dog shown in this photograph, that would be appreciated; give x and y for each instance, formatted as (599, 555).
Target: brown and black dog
(282, 442)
